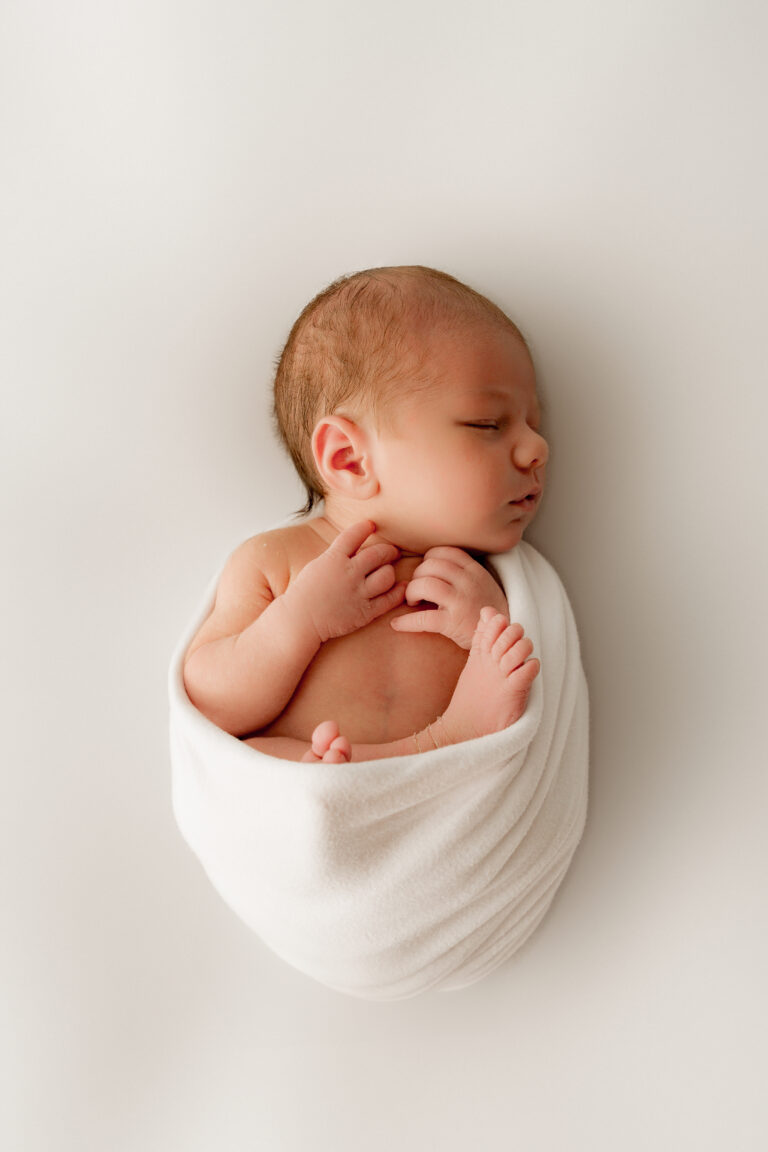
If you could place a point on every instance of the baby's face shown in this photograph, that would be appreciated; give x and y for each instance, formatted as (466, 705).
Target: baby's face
(464, 463)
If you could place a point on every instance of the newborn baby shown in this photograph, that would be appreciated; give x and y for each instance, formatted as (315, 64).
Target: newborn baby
(377, 628)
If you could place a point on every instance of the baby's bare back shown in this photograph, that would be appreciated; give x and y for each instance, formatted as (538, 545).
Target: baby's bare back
(377, 684)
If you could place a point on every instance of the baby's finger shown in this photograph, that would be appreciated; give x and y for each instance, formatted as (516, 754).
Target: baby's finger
(351, 538)
(367, 559)
(428, 620)
(454, 555)
(430, 588)
(388, 600)
(443, 569)
(380, 581)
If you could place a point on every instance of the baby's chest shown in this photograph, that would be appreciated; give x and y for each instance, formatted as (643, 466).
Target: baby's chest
(380, 684)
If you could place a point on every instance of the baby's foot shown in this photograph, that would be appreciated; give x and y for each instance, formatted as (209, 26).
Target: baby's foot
(328, 747)
(492, 691)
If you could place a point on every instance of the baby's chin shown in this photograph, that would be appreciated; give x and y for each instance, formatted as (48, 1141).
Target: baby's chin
(495, 542)
(476, 544)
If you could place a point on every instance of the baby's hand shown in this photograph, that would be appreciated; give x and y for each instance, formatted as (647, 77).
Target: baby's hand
(348, 586)
(459, 586)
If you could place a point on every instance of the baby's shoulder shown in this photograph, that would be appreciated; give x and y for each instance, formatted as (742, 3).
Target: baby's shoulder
(276, 556)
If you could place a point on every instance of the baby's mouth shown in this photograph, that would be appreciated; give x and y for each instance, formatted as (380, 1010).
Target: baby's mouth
(527, 501)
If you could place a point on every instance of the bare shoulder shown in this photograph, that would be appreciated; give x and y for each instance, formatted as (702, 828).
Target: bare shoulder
(259, 569)
(280, 554)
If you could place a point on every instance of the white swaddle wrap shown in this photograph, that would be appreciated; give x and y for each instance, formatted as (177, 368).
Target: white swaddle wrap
(386, 878)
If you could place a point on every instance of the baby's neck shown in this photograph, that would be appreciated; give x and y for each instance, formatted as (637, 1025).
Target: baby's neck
(331, 522)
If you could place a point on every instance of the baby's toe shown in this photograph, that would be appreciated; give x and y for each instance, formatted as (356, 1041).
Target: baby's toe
(515, 655)
(524, 674)
(323, 736)
(511, 636)
(490, 626)
(335, 756)
(342, 745)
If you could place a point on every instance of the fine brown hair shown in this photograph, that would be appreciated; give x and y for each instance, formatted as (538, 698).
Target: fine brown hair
(355, 345)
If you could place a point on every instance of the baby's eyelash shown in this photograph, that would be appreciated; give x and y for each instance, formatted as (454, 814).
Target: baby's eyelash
(493, 425)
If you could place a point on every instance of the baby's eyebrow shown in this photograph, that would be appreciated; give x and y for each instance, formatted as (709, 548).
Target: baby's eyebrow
(493, 393)
(488, 392)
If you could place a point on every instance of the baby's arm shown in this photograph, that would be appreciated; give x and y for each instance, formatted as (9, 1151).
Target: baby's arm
(460, 587)
(245, 663)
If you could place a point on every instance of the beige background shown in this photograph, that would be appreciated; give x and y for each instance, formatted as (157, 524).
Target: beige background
(178, 179)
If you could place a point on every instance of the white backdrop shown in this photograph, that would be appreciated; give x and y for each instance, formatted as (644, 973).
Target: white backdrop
(178, 180)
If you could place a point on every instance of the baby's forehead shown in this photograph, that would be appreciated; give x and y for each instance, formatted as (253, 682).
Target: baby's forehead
(425, 337)
(465, 365)
(470, 339)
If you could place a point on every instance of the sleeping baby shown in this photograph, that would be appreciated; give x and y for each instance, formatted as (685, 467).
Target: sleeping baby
(375, 626)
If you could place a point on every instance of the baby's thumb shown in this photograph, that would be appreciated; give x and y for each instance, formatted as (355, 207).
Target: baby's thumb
(424, 621)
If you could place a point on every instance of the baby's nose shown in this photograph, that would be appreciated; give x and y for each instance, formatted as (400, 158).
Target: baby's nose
(531, 451)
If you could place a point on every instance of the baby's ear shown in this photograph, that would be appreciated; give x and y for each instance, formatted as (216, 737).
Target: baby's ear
(342, 453)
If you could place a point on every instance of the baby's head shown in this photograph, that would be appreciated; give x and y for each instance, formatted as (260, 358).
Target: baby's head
(362, 344)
